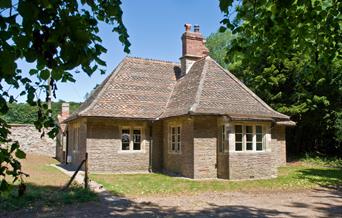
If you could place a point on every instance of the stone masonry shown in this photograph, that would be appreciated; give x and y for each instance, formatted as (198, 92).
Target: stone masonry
(30, 140)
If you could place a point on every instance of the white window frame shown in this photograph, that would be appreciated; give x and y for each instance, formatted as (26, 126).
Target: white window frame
(131, 143)
(171, 151)
(244, 137)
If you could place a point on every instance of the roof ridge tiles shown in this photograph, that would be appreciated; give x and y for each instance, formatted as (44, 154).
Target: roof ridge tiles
(152, 60)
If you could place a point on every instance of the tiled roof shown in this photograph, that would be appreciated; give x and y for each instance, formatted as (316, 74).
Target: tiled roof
(148, 89)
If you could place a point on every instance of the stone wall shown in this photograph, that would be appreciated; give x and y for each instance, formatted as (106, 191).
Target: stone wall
(77, 141)
(279, 144)
(157, 146)
(180, 163)
(252, 165)
(30, 140)
(205, 147)
(104, 147)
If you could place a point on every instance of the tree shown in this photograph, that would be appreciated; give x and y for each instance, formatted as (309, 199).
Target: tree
(55, 37)
(218, 44)
(21, 113)
(289, 53)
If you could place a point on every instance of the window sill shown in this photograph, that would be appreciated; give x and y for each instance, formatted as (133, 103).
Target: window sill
(173, 152)
(250, 152)
(130, 151)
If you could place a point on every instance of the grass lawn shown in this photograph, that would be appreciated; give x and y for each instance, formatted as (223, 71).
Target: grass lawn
(43, 187)
(292, 177)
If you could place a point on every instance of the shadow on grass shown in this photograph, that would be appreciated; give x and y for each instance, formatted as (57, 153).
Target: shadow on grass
(121, 207)
(325, 177)
(43, 196)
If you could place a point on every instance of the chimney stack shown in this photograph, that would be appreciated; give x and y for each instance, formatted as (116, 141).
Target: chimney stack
(65, 110)
(193, 48)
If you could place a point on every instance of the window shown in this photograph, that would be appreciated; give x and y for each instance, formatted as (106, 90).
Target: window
(249, 138)
(76, 138)
(224, 143)
(223, 138)
(131, 139)
(125, 139)
(175, 139)
(136, 139)
(259, 138)
(238, 138)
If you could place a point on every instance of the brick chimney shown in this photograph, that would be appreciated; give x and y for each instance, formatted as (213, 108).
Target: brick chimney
(65, 111)
(193, 45)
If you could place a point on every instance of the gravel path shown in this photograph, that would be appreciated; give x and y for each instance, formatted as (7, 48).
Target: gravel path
(314, 203)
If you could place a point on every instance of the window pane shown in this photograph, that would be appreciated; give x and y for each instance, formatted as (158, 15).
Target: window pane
(259, 129)
(249, 129)
(249, 146)
(173, 146)
(178, 130)
(136, 139)
(178, 138)
(249, 137)
(173, 138)
(125, 138)
(173, 130)
(238, 128)
(259, 137)
(136, 146)
(238, 137)
(259, 146)
(238, 146)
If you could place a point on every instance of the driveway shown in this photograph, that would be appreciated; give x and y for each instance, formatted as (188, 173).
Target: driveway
(311, 203)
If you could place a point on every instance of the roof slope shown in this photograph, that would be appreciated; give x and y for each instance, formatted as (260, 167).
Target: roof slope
(209, 89)
(185, 91)
(138, 88)
(148, 89)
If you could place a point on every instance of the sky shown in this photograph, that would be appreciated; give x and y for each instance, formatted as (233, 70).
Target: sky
(155, 28)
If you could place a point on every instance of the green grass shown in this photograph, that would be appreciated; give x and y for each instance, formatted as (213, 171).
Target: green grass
(44, 196)
(290, 178)
(43, 187)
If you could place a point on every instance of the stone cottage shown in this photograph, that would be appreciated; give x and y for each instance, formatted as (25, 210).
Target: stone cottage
(193, 119)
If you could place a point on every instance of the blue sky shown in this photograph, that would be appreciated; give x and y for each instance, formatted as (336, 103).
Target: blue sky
(155, 28)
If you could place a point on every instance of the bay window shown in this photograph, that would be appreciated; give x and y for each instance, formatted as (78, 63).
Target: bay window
(249, 138)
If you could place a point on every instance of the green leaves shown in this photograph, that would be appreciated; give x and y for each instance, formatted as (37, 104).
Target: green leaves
(289, 53)
(45, 74)
(20, 154)
(5, 4)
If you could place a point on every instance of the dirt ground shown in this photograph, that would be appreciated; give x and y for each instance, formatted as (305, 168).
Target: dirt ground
(313, 203)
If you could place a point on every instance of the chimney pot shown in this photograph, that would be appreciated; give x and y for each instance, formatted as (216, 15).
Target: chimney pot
(196, 28)
(187, 27)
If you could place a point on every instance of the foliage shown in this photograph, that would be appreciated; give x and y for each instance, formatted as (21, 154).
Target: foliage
(289, 53)
(23, 113)
(55, 37)
(290, 178)
(338, 127)
(218, 43)
(321, 160)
